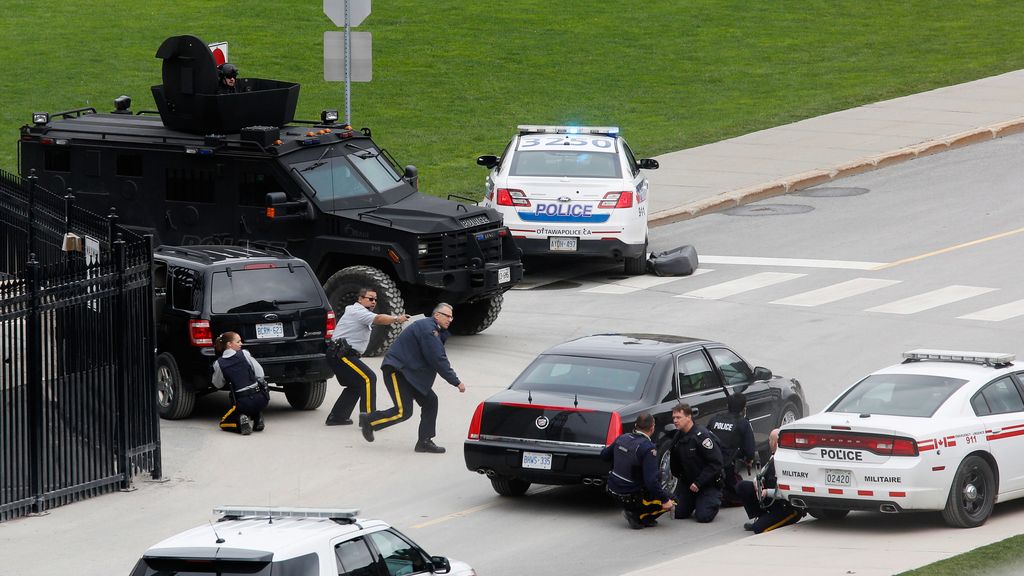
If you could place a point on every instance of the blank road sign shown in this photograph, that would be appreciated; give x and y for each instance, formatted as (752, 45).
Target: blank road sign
(358, 11)
(334, 56)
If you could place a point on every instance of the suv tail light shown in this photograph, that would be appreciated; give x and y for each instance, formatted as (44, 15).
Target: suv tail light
(512, 197)
(474, 424)
(331, 323)
(881, 444)
(199, 333)
(617, 200)
(614, 428)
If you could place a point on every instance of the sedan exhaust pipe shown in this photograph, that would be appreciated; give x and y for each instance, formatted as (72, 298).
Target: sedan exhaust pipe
(486, 471)
(593, 481)
(888, 509)
(798, 503)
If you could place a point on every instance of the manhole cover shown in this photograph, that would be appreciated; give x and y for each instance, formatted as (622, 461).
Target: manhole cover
(831, 192)
(768, 210)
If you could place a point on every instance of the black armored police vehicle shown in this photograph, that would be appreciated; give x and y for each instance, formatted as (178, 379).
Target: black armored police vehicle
(236, 168)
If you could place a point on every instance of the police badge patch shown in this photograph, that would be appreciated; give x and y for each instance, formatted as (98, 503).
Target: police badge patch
(707, 443)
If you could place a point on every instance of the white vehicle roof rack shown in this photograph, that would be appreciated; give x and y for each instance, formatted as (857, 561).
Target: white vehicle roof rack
(236, 512)
(541, 129)
(987, 358)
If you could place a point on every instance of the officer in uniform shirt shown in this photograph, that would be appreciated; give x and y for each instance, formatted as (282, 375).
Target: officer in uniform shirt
(696, 461)
(351, 336)
(765, 510)
(736, 439)
(635, 479)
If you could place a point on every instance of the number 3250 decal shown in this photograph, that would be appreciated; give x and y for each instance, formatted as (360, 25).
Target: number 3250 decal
(556, 140)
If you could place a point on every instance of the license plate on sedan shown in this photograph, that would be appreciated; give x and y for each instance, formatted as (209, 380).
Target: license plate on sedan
(270, 330)
(537, 460)
(562, 244)
(838, 477)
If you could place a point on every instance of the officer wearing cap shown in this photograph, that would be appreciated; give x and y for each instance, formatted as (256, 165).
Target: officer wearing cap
(228, 74)
(736, 439)
(696, 460)
(635, 479)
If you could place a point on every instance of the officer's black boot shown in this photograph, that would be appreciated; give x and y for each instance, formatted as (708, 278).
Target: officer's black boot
(429, 446)
(633, 521)
(259, 425)
(364, 423)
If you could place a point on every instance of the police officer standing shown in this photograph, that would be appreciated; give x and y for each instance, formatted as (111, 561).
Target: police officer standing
(765, 510)
(635, 479)
(697, 462)
(351, 336)
(410, 367)
(736, 440)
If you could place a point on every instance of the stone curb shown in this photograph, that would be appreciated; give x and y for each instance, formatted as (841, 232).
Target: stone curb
(733, 198)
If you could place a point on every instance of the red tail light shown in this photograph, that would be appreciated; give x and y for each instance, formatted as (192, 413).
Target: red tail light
(257, 266)
(512, 197)
(614, 428)
(329, 331)
(199, 333)
(617, 200)
(474, 424)
(881, 444)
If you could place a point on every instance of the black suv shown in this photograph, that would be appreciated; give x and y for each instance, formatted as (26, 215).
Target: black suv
(272, 299)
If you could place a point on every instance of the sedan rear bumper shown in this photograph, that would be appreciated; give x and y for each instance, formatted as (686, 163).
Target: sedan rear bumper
(569, 464)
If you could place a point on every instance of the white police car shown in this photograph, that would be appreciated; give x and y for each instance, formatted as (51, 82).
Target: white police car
(572, 190)
(292, 542)
(944, 430)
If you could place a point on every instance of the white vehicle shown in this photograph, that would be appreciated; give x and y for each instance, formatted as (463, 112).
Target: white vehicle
(944, 430)
(294, 542)
(572, 190)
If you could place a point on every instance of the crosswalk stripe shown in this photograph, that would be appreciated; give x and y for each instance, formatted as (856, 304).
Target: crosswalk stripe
(740, 285)
(997, 313)
(929, 300)
(635, 283)
(792, 262)
(836, 292)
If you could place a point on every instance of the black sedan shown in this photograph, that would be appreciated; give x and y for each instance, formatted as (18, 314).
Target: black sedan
(550, 425)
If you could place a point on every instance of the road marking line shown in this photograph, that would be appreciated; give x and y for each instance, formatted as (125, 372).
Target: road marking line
(740, 285)
(469, 511)
(951, 248)
(636, 283)
(793, 262)
(998, 313)
(930, 300)
(836, 292)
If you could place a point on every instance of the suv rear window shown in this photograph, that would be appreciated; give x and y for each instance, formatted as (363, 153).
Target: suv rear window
(898, 395)
(264, 290)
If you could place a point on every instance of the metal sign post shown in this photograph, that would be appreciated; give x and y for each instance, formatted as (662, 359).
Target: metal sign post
(348, 13)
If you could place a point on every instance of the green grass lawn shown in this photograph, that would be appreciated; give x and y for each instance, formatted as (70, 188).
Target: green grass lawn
(1003, 558)
(453, 79)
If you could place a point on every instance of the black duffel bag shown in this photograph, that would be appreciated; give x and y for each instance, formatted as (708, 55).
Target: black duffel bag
(681, 261)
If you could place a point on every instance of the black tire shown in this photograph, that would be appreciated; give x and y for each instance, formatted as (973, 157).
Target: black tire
(668, 481)
(972, 494)
(789, 413)
(827, 515)
(174, 400)
(475, 317)
(636, 265)
(513, 487)
(342, 288)
(305, 395)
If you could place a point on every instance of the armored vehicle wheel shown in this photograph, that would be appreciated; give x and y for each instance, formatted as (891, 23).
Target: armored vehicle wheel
(342, 288)
(174, 400)
(306, 395)
(509, 486)
(475, 317)
(636, 265)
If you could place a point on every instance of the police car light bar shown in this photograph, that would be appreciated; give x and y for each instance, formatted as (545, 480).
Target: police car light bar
(538, 129)
(286, 512)
(989, 358)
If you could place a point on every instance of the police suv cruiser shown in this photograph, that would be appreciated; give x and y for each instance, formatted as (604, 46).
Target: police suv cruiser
(942, 431)
(572, 190)
(292, 542)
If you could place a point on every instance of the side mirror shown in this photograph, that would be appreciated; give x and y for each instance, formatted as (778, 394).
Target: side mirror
(696, 411)
(279, 207)
(412, 176)
(762, 373)
(440, 565)
(487, 161)
(648, 164)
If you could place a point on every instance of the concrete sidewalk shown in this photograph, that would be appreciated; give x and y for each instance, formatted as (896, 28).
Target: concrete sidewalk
(819, 150)
(809, 153)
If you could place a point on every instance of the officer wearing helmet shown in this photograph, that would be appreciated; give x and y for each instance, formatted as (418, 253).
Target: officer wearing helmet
(228, 74)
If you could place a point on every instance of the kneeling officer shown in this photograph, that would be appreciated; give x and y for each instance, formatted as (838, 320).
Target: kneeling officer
(635, 479)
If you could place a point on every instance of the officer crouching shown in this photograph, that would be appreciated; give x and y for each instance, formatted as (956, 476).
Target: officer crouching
(696, 461)
(635, 479)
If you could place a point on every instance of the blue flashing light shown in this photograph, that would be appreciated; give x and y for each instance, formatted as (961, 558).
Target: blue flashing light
(309, 141)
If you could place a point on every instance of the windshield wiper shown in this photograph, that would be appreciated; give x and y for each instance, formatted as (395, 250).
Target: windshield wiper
(362, 152)
(318, 163)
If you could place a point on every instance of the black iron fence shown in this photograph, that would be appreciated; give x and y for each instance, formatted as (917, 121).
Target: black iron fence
(78, 414)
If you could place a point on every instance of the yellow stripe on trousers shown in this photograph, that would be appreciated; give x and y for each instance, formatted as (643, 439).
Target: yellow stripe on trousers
(656, 513)
(398, 403)
(225, 417)
(780, 523)
(365, 379)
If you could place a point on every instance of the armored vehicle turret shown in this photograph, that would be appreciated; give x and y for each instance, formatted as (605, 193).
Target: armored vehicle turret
(236, 168)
